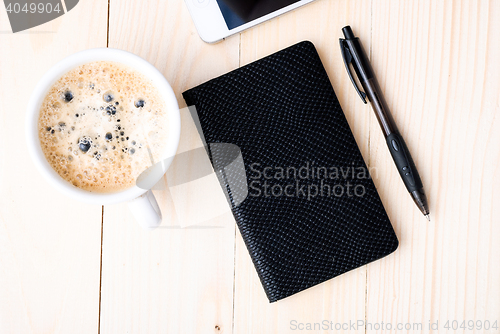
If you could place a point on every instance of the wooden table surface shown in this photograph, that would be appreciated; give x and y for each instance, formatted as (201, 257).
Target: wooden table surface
(68, 267)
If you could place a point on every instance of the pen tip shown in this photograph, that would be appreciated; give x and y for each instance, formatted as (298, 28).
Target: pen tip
(428, 218)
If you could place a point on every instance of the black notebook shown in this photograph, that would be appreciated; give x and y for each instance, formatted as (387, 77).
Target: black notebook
(311, 211)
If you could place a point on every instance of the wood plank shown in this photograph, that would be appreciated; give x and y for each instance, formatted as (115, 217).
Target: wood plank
(437, 62)
(169, 280)
(343, 298)
(50, 245)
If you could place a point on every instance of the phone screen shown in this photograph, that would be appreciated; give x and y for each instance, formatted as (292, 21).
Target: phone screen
(238, 12)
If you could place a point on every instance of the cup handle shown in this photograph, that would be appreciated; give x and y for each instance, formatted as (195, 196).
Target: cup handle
(145, 210)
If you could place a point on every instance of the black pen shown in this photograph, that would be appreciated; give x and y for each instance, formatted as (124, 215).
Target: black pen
(352, 52)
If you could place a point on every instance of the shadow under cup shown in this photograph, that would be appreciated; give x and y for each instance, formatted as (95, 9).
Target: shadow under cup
(48, 80)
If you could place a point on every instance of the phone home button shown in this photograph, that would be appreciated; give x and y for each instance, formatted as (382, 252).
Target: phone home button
(201, 3)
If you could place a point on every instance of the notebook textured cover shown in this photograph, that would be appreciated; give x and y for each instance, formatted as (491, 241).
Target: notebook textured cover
(312, 211)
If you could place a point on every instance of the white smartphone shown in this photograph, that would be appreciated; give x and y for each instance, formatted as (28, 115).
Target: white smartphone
(218, 19)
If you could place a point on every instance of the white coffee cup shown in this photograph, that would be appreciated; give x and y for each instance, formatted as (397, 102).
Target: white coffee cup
(141, 201)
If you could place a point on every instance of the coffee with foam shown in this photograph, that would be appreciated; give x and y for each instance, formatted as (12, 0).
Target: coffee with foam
(101, 125)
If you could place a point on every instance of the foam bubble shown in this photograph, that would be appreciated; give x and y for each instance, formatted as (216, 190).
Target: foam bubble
(89, 122)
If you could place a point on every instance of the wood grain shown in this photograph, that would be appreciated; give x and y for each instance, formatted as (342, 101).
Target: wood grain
(50, 245)
(437, 62)
(341, 299)
(170, 280)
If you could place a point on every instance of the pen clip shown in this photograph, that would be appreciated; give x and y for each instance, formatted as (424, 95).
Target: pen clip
(347, 57)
